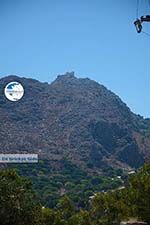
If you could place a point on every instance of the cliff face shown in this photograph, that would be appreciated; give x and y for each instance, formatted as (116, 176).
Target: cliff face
(73, 118)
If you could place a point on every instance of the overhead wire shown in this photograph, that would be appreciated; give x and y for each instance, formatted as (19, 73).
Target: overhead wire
(148, 34)
(148, 6)
(137, 8)
(137, 14)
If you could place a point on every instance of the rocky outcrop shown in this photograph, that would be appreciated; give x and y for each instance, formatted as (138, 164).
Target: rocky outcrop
(73, 118)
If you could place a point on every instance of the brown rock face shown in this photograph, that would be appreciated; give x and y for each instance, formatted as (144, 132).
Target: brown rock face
(74, 118)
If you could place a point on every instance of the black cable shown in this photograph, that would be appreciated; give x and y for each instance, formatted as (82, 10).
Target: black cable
(148, 5)
(146, 33)
(137, 9)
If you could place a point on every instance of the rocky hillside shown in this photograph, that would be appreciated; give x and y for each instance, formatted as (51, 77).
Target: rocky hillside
(74, 119)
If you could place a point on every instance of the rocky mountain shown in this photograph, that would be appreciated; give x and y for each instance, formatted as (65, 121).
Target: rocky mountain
(74, 119)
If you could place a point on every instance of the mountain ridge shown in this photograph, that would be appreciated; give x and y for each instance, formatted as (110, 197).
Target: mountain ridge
(73, 118)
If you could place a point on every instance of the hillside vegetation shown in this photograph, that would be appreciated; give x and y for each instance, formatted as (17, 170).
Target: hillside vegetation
(19, 204)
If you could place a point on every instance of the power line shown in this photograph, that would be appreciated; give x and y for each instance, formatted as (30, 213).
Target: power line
(137, 9)
(148, 34)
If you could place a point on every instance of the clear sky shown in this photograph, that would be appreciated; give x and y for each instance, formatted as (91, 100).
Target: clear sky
(94, 38)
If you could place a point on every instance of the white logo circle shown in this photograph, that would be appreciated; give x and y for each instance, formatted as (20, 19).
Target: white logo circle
(14, 91)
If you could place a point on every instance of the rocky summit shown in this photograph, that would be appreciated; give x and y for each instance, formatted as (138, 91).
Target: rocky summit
(75, 119)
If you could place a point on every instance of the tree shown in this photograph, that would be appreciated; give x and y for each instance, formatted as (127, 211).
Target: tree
(139, 193)
(48, 216)
(18, 203)
(109, 208)
(66, 207)
(80, 218)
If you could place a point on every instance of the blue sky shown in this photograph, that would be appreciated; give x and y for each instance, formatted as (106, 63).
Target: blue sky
(94, 38)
